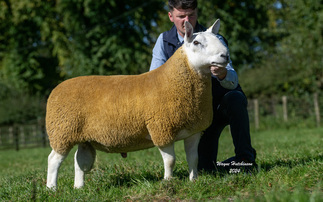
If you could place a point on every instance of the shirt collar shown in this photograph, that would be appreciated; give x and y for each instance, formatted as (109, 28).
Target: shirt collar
(180, 38)
(198, 28)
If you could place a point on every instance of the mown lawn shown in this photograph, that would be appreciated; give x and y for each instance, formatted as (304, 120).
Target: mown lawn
(290, 169)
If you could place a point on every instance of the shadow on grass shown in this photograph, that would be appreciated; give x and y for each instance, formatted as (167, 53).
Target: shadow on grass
(290, 162)
(131, 179)
(265, 166)
(128, 178)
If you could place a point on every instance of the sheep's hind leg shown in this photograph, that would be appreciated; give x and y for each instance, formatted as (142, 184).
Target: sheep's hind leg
(83, 161)
(54, 162)
(191, 150)
(169, 159)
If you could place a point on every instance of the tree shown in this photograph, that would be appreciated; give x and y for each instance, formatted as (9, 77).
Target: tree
(276, 46)
(45, 42)
(25, 55)
(105, 37)
(243, 24)
(294, 64)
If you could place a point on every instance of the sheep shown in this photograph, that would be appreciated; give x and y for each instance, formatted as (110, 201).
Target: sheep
(124, 113)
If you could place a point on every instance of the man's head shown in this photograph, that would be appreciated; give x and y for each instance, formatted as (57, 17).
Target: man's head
(181, 11)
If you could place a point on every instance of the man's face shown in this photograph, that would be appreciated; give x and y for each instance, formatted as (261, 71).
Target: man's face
(179, 16)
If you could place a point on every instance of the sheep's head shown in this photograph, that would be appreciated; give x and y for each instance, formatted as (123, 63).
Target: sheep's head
(204, 49)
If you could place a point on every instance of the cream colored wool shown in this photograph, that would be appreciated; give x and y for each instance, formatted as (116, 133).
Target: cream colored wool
(118, 113)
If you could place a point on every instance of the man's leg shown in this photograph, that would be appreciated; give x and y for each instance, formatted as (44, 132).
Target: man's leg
(208, 146)
(234, 106)
(232, 111)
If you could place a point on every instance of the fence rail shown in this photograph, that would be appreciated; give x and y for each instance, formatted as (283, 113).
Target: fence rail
(23, 136)
(283, 110)
(286, 109)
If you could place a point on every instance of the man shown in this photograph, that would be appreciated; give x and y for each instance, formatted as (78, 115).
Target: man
(229, 102)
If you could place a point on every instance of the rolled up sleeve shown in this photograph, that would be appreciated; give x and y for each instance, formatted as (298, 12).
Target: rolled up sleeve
(159, 57)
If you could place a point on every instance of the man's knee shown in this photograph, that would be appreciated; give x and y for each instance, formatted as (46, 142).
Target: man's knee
(235, 98)
(234, 102)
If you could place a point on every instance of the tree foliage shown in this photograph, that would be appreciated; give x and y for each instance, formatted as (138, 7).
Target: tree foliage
(294, 64)
(24, 60)
(276, 46)
(104, 37)
(242, 24)
(43, 42)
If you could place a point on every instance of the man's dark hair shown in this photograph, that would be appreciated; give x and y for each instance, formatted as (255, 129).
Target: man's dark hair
(182, 4)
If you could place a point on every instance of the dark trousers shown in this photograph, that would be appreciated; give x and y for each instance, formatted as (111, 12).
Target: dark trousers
(229, 108)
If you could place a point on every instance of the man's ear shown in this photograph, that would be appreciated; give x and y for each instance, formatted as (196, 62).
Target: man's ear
(170, 15)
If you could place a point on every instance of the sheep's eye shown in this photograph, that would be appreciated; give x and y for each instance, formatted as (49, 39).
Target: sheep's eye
(196, 42)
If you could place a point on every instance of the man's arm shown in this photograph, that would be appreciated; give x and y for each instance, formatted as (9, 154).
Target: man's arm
(229, 81)
(159, 57)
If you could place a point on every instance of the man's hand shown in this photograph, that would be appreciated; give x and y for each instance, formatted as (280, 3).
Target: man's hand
(220, 72)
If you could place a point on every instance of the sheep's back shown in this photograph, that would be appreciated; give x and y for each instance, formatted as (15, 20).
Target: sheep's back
(121, 111)
(103, 109)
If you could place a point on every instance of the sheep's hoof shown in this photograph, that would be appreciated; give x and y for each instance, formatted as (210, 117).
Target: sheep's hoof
(78, 187)
(51, 188)
(124, 155)
(168, 178)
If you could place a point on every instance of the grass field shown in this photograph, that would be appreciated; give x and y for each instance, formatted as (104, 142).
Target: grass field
(290, 169)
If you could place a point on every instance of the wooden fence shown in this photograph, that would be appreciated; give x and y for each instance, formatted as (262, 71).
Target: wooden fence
(23, 136)
(284, 109)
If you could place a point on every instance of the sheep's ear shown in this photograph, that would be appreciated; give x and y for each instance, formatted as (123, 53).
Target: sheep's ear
(188, 32)
(215, 27)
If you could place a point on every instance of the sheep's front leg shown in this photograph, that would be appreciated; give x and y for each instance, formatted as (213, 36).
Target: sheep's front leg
(54, 162)
(191, 150)
(169, 158)
(83, 161)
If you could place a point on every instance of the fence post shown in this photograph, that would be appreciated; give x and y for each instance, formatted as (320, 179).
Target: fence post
(285, 113)
(11, 137)
(256, 106)
(43, 134)
(42, 131)
(21, 135)
(273, 106)
(34, 133)
(16, 137)
(317, 110)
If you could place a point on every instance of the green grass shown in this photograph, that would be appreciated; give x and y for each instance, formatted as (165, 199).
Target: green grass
(290, 169)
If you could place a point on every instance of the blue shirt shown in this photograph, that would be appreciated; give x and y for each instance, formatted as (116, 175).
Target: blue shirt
(159, 58)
